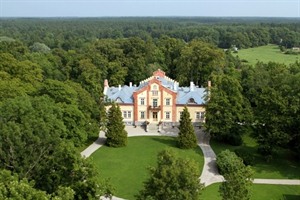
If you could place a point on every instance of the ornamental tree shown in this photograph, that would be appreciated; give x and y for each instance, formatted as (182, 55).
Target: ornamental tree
(116, 134)
(186, 137)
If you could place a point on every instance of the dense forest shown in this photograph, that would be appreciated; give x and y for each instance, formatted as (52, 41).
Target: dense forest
(52, 72)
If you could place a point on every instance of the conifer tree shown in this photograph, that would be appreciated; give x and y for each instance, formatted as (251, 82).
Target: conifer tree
(115, 133)
(186, 136)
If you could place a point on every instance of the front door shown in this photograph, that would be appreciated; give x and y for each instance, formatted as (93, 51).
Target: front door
(154, 116)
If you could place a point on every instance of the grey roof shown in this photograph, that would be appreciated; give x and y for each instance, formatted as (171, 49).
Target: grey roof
(166, 83)
(125, 94)
(184, 94)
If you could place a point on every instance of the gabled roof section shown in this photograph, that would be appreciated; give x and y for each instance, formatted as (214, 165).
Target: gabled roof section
(163, 79)
(185, 94)
(121, 93)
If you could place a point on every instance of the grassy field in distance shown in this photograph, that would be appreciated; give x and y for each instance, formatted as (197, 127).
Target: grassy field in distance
(266, 54)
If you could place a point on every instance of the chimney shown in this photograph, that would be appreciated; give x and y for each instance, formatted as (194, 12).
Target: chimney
(106, 86)
(209, 84)
(192, 86)
(120, 88)
(130, 84)
(106, 83)
(208, 89)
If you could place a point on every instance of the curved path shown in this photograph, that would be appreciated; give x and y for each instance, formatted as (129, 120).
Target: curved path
(209, 173)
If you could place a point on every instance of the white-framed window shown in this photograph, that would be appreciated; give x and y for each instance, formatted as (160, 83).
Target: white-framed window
(168, 102)
(126, 114)
(200, 115)
(154, 103)
(154, 93)
(142, 114)
(129, 114)
(167, 115)
(142, 101)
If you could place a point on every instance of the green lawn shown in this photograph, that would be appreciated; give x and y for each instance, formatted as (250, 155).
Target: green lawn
(127, 166)
(266, 54)
(259, 192)
(283, 165)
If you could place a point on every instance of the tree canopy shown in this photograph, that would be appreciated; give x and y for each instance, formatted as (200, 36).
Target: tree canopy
(228, 113)
(173, 178)
(238, 177)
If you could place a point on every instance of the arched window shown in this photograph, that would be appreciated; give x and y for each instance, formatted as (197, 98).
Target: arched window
(119, 100)
(154, 87)
(191, 100)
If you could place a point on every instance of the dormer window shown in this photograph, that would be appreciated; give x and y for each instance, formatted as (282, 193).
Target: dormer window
(192, 101)
(119, 100)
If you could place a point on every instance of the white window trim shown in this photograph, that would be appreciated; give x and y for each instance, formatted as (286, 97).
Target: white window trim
(143, 101)
(127, 114)
(141, 114)
(169, 113)
(168, 99)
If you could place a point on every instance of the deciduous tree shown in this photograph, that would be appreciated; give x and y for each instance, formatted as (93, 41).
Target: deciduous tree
(173, 179)
(238, 177)
(33, 145)
(227, 111)
(197, 61)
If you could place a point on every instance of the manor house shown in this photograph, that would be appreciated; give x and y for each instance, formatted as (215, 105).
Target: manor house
(157, 99)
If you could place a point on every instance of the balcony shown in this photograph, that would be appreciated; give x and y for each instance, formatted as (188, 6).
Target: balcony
(154, 108)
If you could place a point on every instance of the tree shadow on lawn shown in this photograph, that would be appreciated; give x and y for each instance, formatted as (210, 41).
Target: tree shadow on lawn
(172, 142)
(282, 163)
(290, 197)
(169, 141)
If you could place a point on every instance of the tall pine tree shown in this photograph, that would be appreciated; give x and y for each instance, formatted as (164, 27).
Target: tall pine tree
(186, 136)
(115, 133)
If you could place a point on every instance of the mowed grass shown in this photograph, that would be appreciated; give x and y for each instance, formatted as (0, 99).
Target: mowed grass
(266, 54)
(284, 165)
(127, 166)
(259, 192)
